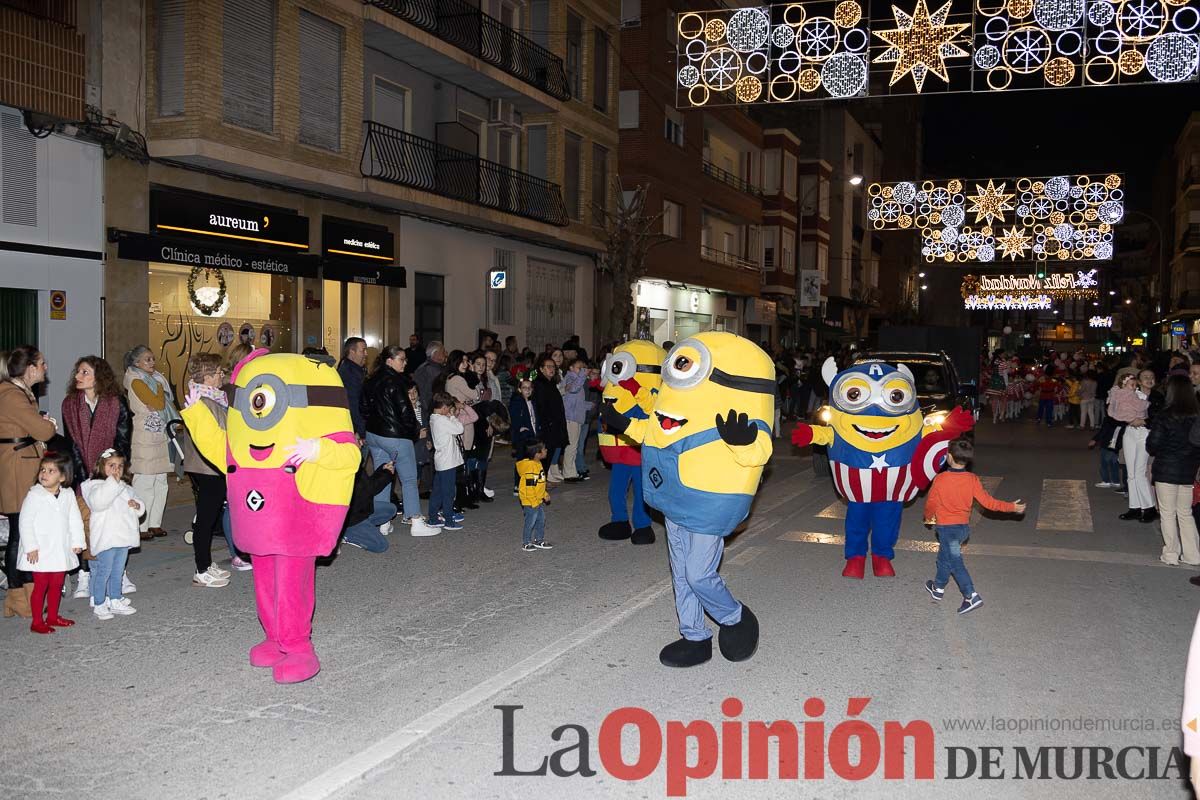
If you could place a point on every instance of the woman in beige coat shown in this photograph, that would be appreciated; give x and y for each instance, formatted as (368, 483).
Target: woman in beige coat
(22, 431)
(153, 406)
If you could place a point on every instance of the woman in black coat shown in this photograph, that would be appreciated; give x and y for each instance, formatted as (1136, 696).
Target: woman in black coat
(551, 415)
(392, 427)
(1174, 441)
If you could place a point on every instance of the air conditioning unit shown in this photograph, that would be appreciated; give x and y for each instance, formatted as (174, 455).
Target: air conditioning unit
(635, 22)
(503, 113)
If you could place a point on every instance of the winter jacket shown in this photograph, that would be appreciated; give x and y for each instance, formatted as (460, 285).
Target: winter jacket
(97, 441)
(53, 526)
(551, 414)
(19, 419)
(193, 462)
(523, 429)
(531, 484)
(425, 376)
(386, 407)
(366, 486)
(447, 454)
(458, 388)
(575, 405)
(113, 523)
(149, 454)
(353, 376)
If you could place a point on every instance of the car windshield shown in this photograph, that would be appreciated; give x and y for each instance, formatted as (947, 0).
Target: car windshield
(930, 376)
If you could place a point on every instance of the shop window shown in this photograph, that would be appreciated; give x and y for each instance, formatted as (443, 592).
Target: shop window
(248, 64)
(320, 82)
(170, 15)
(501, 300)
(429, 299)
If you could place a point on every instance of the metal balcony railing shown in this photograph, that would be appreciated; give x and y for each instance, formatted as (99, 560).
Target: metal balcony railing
(396, 156)
(728, 259)
(485, 37)
(725, 176)
(1190, 239)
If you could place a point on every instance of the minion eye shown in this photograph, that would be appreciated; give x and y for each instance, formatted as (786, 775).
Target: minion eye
(617, 368)
(262, 400)
(898, 396)
(683, 364)
(687, 365)
(853, 394)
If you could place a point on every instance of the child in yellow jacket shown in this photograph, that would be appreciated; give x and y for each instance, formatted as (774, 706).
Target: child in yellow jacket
(531, 489)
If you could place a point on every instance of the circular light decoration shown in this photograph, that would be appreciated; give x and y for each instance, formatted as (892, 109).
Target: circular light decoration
(999, 79)
(1103, 250)
(690, 25)
(1059, 71)
(953, 215)
(904, 192)
(844, 75)
(1112, 181)
(1172, 57)
(1020, 8)
(985, 253)
(1141, 20)
(1186, 19)
(748, 89)
(1058, 15)
(847, 14)
(1130, 62)
(1111, 212)
(1057, 188)
(794, 14)
(996, 28)
(689, 76)
(714, 31)
(1100, 13)
(854, 40)
(987, 56)
(789, 62)
(748, 30)
(783, 88)
(208, 301)
(783, 36)
(1069, 43)
(721, 68)
(1026, 49)
(756, 62)
(817, 38)
(695, 49)
(809, 80)
(1064, 231)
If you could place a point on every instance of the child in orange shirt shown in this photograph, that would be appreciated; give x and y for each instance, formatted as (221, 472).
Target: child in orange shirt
(948, 506)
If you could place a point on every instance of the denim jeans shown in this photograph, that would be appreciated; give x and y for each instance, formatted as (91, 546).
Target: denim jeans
(107, 569)
(535, 524)
(404, 455)
(441, 499)
(950, 561)
(366, 534)
(589, 428)
(1045, 411)
(1110, 467)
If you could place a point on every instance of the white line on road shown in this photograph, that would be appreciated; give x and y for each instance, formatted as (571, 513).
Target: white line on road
(1064, 506)
(746, 556)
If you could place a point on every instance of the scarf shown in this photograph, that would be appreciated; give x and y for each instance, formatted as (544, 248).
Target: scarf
(214, 393)
(156, 421)
(93, 432)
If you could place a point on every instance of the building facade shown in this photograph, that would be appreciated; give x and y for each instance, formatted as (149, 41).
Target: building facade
(1182, 236)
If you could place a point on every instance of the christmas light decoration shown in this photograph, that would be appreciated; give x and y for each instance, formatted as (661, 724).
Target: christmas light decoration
(1057, 285)
(921, 43)
(990, 203)
(1007, 303)
(1100, 322)
(1014, 243)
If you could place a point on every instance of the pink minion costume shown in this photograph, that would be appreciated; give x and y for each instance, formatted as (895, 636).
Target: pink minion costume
(290, 459)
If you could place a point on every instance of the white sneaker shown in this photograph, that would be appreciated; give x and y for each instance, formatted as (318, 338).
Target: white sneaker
(217, 572)
(102, 611)
(127, 586)
(206, 580)
(83, 585)
(1105, 485)
(554, 475)
(488, 492)
(121, 606)
(421, 528)
(386, 528)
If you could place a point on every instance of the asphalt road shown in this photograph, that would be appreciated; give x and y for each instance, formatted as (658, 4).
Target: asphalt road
(1081, 643)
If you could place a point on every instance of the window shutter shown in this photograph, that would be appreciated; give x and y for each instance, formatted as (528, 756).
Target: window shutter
(627, 111)
(18, 172)
(320, 82)
(248, 71)
(170, 57)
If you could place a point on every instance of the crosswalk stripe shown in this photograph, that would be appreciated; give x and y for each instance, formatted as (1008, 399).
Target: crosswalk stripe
(745, 556)
(1010, 551)
(1064, 506)
(990, 484)
(835, 510)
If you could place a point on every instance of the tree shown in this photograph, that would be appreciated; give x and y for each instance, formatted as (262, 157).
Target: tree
(629, 233)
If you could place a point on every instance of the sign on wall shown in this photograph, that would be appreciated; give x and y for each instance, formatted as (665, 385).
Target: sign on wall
(344, 240)
(229, 222)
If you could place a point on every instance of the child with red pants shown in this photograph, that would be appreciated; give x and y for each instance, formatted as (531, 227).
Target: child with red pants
(51, 539)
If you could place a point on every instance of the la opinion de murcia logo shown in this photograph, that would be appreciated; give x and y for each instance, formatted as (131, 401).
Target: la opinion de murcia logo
(233, 222)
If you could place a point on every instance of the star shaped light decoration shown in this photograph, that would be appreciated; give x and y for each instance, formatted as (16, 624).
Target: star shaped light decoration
(921, 43)
(1014, 243)
(990, 202)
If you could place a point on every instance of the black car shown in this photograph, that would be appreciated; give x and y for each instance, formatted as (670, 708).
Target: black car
(938, 389)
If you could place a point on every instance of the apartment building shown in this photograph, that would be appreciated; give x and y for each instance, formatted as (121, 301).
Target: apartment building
(329, 168)
(703, 171)
(1182, 235)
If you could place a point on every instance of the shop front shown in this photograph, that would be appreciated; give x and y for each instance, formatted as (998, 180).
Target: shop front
(668, 312)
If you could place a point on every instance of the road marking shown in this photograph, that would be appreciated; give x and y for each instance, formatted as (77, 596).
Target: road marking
(746, 556)
(1064, 506)
(835, 510)
(1010, 551)
(990, 484)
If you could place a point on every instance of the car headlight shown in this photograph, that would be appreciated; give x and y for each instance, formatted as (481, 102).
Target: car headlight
(936, 418)
(825, 415)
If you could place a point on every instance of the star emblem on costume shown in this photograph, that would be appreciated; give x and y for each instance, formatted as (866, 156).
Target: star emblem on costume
(921, 43)
(1014, 243)
(879, 462)
(990, 202)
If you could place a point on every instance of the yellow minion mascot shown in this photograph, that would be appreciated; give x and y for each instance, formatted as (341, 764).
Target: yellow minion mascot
(703, 451)
(290, 458)
(631, 376)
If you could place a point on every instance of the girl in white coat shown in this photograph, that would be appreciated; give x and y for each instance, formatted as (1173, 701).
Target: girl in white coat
(114, 530)
(51, 539)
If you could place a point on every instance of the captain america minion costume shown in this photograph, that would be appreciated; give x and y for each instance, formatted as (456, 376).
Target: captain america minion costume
(882, 453)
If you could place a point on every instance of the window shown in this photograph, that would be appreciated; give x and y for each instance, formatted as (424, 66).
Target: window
(248, 64)
(575, 55)
(627, 196)
(627, 109)
(600, 70)
(808, 194)
(501, 300)
(320, 82)
(573, 156)
(599, 184)
(787, 258)
(631, 13)
(672, 219)
(673, 127)
(429, 302)
(771, 172)
(539, 22)
(535, 144)
(770, 248)
(390, 105)
(170, 57)
(789, 174)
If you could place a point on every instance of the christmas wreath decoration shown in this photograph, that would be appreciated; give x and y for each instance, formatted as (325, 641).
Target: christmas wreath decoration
(207, 309)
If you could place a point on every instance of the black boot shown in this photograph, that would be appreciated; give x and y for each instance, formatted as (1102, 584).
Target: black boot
(686, 653)
(468, 501)
(643, 535)
(615, 531)
(1131, 514)
(739, 641)
(480, 494)
(1149, 514)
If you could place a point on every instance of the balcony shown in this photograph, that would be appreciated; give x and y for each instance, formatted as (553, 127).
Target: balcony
(398, 157)
(728, 259)
(1191, 239)
(484, 37)
(724, 176)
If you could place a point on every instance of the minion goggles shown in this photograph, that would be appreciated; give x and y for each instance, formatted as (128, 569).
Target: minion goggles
(266, 398)
(875, 396)
(679, 375)
(621, 366)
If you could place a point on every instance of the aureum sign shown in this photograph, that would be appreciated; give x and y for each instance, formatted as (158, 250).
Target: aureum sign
(829, 48)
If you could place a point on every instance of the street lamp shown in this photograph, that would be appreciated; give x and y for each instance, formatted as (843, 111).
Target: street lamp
(801, 203)
(855, 180)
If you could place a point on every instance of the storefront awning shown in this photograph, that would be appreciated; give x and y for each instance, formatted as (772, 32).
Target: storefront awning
(167, 250)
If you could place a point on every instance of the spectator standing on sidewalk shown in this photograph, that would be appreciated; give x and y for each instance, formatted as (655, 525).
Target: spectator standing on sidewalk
(575, 408)
(352, 370)
(206, 376)
(153, 405)
(428, 373)
(551, 414)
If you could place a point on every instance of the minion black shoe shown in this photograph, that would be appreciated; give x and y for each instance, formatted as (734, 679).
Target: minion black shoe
(615, 531)
(739, 641)
(686, 653)
(643, 535)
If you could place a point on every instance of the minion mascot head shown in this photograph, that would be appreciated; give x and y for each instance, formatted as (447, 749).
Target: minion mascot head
(631, 375)
(874, 411)
(710, 433)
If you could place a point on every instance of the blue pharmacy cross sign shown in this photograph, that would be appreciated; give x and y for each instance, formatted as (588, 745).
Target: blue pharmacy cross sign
(498, 279)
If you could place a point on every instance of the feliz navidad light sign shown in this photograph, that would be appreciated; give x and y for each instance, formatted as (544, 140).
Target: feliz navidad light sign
(829, 48)
(1026, 291)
